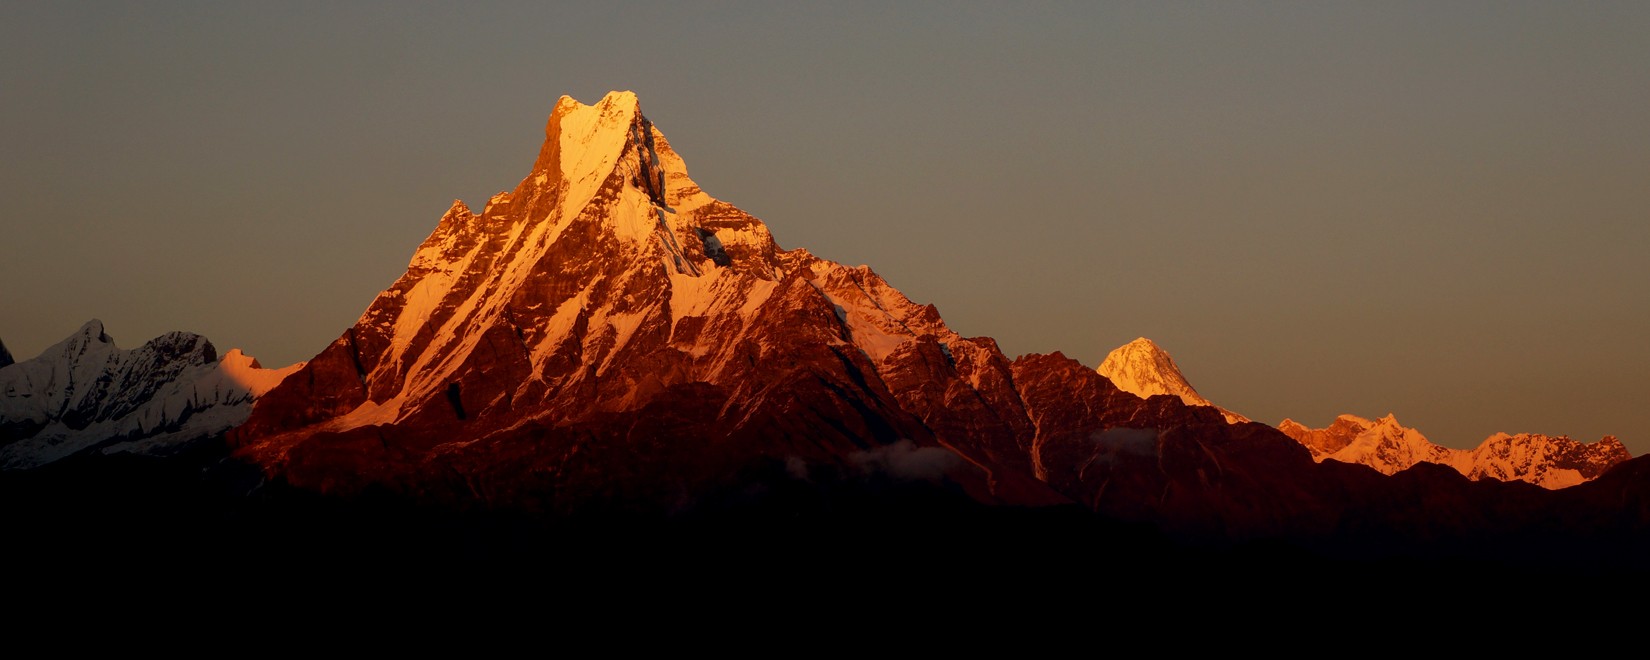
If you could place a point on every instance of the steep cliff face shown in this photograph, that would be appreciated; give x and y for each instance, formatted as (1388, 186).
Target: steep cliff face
(85, 393)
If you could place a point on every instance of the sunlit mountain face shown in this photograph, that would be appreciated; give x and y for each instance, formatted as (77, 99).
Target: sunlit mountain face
(605, 358)
(1390, 447)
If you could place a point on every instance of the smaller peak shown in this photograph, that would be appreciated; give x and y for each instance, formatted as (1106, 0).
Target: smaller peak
(565, 104)
(616, 98)
(89, 338)
(236, 356)
(6, 359)
(93, 329)
(457, 217)
(623, 97)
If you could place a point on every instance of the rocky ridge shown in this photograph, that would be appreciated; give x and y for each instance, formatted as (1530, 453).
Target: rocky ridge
(85, 393)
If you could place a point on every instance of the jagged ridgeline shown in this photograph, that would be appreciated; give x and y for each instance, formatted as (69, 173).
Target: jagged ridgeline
(85, 394)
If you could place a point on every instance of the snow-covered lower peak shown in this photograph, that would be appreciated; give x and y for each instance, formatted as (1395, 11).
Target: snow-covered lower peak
(1553, 462)
(1390, 447)
(84, 393)
(1330, 439)
(1143, 369)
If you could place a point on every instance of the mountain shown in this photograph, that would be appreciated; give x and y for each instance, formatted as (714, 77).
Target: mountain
(607, 342)
(1327, 440)
(607, 334)
(1387, 446)
(84, 394)
(610, 332)
(1143, 369)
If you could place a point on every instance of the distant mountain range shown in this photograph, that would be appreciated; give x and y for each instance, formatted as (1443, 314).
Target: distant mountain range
(606, 341)
(1142, 368)
(1389, 447)
(85, 394)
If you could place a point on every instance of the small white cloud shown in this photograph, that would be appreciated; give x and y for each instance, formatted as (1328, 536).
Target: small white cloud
(1124, 442)
(905, 460)
(797, 468)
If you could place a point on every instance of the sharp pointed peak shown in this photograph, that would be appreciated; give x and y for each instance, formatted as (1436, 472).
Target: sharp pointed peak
(91, 331)
(91, 328)
(583, 142)
(238, 358)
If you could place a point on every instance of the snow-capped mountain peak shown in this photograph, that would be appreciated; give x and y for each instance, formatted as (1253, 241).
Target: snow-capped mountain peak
(1388, 446)
(1330, 439)
(84, 393)
(608, 256)
(1144, 369)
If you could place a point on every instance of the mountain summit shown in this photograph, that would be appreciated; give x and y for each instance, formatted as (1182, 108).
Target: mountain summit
(1143, 369)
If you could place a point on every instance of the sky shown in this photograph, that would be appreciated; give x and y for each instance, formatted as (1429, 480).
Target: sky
(1435, 210)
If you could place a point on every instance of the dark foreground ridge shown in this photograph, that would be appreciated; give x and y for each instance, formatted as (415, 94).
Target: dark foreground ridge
(200, 520)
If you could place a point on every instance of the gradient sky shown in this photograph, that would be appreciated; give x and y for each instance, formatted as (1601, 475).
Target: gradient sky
(1438, 210)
